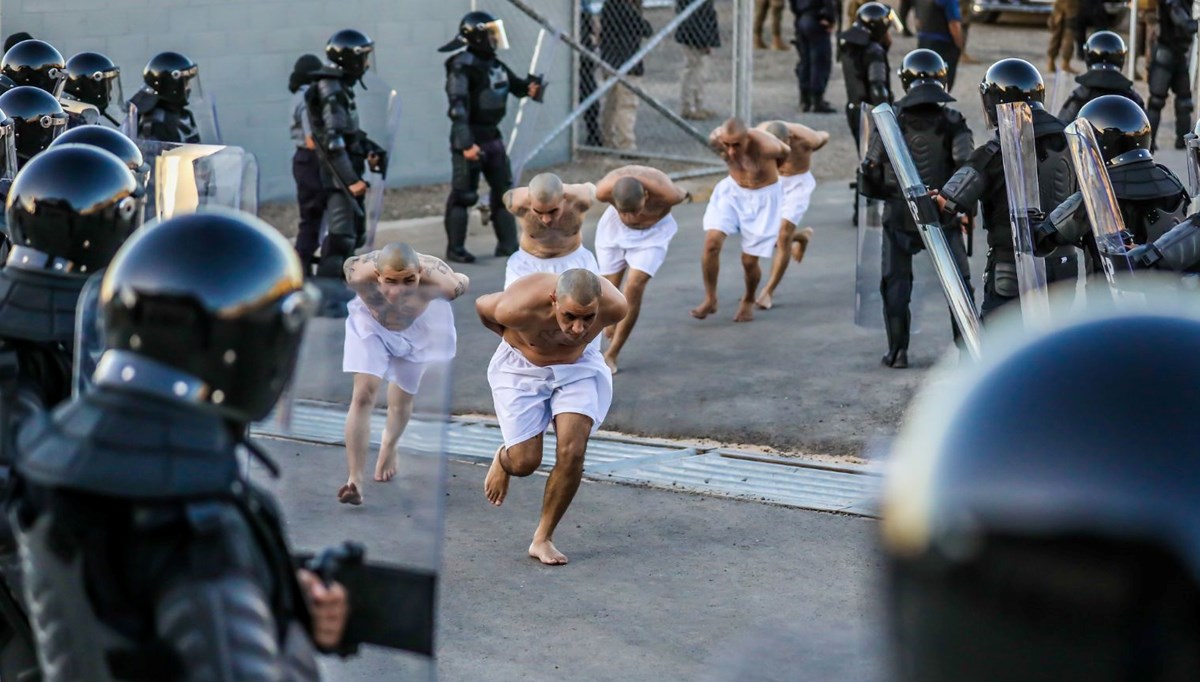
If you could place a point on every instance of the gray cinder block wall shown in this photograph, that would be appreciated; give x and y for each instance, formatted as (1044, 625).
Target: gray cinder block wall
(246, 48)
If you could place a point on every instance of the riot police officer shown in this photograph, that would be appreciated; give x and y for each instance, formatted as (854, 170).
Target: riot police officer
(162, 101)
(343, 147)
(35, 63)
(1104, 53)
(940, 141)
(93, 79)
(1151, 199)
(1033, 527)
(815, 19)
(148, 555)
(982, 180)
(863, 49)
(478, 85)
(68, 212)
(37, 117)
(1169, 68)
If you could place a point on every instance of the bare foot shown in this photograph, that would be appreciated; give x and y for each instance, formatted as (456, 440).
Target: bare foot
(611, 362)
(764, 301)
(800, 244)
(545, 552)
(385, 467)
(704, 309)
(745, 312)
(348, 494)
(495, 485)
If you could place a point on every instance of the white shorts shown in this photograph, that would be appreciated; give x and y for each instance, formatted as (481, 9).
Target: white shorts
(399, 358)
(524, 263)
(797, 190)
(619, 246)
(752, 213)
(527, 397)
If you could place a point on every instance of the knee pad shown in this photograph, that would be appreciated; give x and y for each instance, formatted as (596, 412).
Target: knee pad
(464, 198)
(1004, 280)
(1156, 102)
(1185, 104)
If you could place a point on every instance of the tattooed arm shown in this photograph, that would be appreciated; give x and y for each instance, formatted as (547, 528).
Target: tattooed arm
(439, 281)
(360, 273)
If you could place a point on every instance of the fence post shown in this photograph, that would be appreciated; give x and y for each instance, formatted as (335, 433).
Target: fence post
(1133, 36)
(743, 58)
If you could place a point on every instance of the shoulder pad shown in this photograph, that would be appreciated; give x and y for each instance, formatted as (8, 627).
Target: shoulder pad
(953, 116)
(1138, 181)
(145, 100)
(328, 71)
(855, 36)
(462, 60)
(38, 307)
(330, 87)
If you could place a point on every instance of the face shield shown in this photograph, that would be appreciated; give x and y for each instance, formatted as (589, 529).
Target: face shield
(894, 20)
(499, 38)
(111, 95)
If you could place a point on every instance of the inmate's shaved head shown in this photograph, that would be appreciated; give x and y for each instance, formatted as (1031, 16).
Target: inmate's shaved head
(397, 257)
(578, 285)
(779, 129)
(546, 188)
(733, 127)
(628, 194)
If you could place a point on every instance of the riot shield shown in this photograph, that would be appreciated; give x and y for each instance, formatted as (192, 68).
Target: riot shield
(925, 215)
(89, 336)
(1058, 94)
(130, 125)
(379, 118)
(525, 128)
(868, 301)
(1019, 156)
(204, 110)
(1108, 226)
(319, 428)
(1193, 162)
(185, 177)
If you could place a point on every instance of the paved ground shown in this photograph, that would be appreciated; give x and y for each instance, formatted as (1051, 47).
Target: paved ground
(661, 586)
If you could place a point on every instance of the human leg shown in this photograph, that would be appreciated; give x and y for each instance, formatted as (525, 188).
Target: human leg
(753, 275)
(498, 171)
(571, 431)
(399, 411)
(464, 192)
(710, 267)
(895, 287)
(520, 460)
(358, 435)
(635, 287)
(779, 263)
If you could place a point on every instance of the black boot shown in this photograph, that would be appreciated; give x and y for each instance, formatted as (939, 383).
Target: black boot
(820, 106)
(897, 335)
(459, 255)
(805, 101)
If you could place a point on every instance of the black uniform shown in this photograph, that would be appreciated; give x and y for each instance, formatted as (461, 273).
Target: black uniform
(1177, 251)
(940, 141)
(333, 115)
(815, 49)
(1095, 83)
(866, 70)
(478, 85)
(1169, 67)
(165, 121)
(1151, 199)
(982, 180)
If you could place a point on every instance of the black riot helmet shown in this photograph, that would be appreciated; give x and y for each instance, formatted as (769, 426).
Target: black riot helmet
(922, 67)
(36, 63)
(877, 18)
(351, 51)
(1121, 127)
(169, 75)
(481, 31)
(231, 318)
(1035, 528)
(70, 209)
(94, 78)
(37, 117)
(1104, 50)
(1010, 80)
(111, 141)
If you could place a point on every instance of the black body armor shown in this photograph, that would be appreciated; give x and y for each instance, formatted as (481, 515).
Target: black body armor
(164, 121)
(478, 86)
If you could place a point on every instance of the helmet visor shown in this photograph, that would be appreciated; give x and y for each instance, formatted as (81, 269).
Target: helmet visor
(114, 108)
(499, 37)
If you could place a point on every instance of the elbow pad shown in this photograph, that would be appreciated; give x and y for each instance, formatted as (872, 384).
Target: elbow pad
(1178, 249)
(1068, 221)
(962, 146)
(963, 190)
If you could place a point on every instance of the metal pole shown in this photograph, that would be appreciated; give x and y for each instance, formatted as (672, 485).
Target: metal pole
(1133, 32)
(533, 62)
(618, 75)
(743, 58)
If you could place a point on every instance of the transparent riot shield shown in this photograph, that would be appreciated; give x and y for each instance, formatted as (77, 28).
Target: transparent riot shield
(525, 128)
(204, 110)
(1108, 226)
(130, 125)
(1058, 95)
(868, 301)
(89, 336)
(186, 177)
(925, 215)
(1019, 156)
(1193, 162)
(391, 570)
(379, 117)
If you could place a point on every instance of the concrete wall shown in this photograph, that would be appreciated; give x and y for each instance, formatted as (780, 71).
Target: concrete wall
(246, 48)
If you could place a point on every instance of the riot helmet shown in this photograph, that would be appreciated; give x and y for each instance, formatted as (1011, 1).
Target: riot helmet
(111, 141)
(1121, 127)
(1035, 529)
(351, 51)
(94, 78)
(36, 63)
(70, 209)
(1104, 50)
(1192, 146)
(1010, 80)
(877, 18)
(921, 67)
(481, 31)
(229, 320)
(172, 76)
(37, 118)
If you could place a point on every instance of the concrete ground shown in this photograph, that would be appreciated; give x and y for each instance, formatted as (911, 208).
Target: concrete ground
(661, 585)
